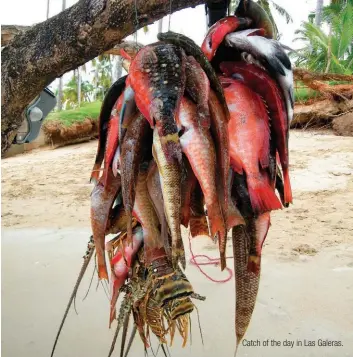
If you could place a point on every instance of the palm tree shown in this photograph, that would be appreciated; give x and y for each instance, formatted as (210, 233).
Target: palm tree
(332, 52)
(102, 68)
(318, 12)
(70, 92)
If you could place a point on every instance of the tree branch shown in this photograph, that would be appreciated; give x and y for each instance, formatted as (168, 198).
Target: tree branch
(300, 73)
(34, 58)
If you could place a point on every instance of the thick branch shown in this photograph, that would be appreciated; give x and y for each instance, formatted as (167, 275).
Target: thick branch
(64, 42)
(315, 81)
(300, 74)
(8, 32)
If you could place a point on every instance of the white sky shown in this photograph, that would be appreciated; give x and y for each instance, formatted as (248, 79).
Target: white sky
(190, 22)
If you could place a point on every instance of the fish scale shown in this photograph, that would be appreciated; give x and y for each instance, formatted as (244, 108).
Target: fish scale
(246, 282)
(170, 178)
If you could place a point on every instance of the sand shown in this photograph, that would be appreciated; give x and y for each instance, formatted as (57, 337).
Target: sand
(306, 290)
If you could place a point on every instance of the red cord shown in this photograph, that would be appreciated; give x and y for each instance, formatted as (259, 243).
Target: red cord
(211, 261)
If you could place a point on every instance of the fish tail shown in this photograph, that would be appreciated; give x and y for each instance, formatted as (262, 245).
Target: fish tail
(262, 196)
(223, 261)
(247, 283)
(129, 227)
(102, 270)
(216, 220)
(287, 187)
(95, 173)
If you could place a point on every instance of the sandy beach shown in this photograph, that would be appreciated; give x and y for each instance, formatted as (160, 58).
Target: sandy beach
(306, 289)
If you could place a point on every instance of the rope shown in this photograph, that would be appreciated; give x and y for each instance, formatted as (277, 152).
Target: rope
(211, 261)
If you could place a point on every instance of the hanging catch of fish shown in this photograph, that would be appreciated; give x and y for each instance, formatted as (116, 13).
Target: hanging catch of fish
(196, 137)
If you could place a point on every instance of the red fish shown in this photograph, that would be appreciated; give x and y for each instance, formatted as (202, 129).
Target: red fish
(102, 198)
(197, 144)
(104, 123)
(198, 87)
(121, 263)
(260, 82)
(249, 137)
(113, 139)
(218, 31)
(157, 75)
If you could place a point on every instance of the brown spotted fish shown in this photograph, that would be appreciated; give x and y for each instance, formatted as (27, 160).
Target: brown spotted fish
(145, 213)
(246, 282)
(131, 155)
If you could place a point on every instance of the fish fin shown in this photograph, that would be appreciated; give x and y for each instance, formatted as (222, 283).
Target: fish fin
(198, 226)
(287, 187)
(236, 164)
(216, 221)
(275, 65)
(125, 55)
(262, 196)
(102, 272)
(95, 173)
(254, 264)
(234, 216)
(257, 230)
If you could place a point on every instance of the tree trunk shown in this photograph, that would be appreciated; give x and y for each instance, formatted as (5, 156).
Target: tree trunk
(48, 7)
(160, 25)
(64, 42)
(318, 12)
(78, 87)
(60, 95)
(119, 67)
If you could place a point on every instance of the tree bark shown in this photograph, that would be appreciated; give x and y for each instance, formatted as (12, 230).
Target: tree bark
(64, 42)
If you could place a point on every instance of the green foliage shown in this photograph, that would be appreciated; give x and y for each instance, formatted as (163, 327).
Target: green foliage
(102, 69)
(71, 116)
(331, 52)
(302, 94)
(70, 92)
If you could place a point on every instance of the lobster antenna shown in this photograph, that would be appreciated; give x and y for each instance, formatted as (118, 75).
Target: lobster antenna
(90, 284)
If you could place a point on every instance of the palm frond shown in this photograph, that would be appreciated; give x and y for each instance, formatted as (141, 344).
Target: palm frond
(282, 11)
